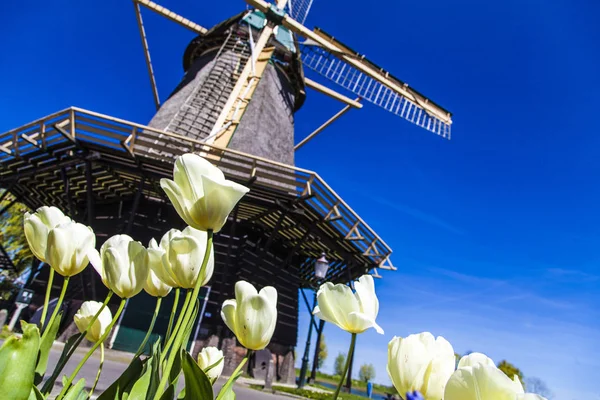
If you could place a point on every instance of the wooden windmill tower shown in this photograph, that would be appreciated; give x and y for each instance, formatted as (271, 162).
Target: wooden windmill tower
(244, 79)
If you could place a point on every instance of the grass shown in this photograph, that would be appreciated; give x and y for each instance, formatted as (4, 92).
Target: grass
(334, 379)
(309, 394)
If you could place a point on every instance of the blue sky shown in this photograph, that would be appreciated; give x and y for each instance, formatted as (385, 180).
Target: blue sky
(495, 233)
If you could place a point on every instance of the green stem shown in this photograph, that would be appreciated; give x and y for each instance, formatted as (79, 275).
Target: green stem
(156, 310)
(348, 359)
(99, 371)
(47, 298)
(178, 326)
(235, 373)
(91, 351)
(61, 297)
(187, 312)
(172, 317)
(59, 367)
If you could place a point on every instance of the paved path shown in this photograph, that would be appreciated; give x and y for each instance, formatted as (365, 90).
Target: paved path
(115, 363)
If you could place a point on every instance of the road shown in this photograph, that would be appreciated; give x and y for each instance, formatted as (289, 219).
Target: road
(115, 364)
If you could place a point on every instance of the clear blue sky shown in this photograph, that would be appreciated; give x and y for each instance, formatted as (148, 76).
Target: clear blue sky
(495, 233)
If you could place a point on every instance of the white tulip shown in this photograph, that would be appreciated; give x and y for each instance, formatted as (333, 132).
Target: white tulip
(184, 253)
(123, 265)
(68, 246)
(200, 193)
(37, 227)
(484, 382)
(156, 254)
(353, 312)
(475, 358)
(422, 363)
(211, 356)
(155, 287)
(85, 314)
(252, 315)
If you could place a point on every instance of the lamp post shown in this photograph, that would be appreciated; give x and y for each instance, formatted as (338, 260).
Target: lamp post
(321, 267)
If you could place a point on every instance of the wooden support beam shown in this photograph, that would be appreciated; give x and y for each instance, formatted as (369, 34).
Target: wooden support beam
(140, 23)
(325, 125)
(186, 23)
(135, 205)
(332, 93)
(89, 181)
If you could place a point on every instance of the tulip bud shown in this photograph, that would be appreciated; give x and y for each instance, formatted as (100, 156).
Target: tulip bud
(184, 256)
(85, 314)
(353, 312)
(252, 315)
(484, 381)
(420, 363)
(200, 193)
(211, 357)
(68, 247)
(123, 265)
(37, 227)
(155, 287)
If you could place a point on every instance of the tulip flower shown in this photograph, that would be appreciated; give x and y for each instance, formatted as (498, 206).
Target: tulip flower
(211, 357)
(37, 227)
(123, 265)
(68, 246)
(484, 382)
(420, 363)
(156, 253)
(156, 287)
(200, 193)
(475, 358)
(252, 315)
(183, 255)
(85, 314)
(353, 312)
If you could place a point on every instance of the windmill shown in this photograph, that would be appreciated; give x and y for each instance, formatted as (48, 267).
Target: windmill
(244, 80)
(274, 32)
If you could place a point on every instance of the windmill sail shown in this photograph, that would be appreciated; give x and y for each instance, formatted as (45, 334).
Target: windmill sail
(298, 9)
(396, 97)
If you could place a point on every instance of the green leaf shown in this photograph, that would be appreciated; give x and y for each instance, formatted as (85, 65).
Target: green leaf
(75, 392)
(197, 384)
(175, 370)
(145, 387)
(36, 394)
(169, 393)
(18, 358)
(69, 345)
(45, 346)
(227, 393)
(124, 382)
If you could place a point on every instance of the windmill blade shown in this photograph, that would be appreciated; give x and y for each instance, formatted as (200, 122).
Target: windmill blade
(298, 9)
(335, 60)
(391, 94)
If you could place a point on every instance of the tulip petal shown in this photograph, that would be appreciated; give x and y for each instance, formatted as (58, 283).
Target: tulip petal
(220, 197)
(270, 293)
(365, 293)
(244, 290)
(94, 258)
(187, 172)
(359, 322)
(336, 302)
(228, 314)
(36, 233)
(255, 322)
(475, 358)
(177, 199)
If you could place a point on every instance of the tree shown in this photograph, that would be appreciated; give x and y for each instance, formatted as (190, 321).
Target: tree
(338, 365)
(322, 352)
(366, 372)
(510, 370)
(538, 386)
(12, 236)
